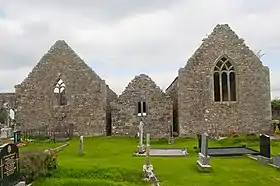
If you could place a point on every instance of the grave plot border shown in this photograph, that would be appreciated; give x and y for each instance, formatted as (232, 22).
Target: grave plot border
(163, 155)
(253, 152)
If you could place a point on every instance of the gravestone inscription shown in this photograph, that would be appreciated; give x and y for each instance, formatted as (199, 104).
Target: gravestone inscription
(265, 146)
(9, 165)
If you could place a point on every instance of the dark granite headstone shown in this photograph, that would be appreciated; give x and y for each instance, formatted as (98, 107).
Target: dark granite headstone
(265, 146)
(17, 138)
(199, 138)
(9, 165)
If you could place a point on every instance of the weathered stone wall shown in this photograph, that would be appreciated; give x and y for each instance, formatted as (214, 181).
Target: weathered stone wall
(86, 94)
(159, 109)
(197, 110)
(9, 98)
(172, 91)
(111, 96)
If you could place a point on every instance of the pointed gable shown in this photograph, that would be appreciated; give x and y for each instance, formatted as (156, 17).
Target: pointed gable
(222, 41)
(223, 70)
(142, 98)
(142, 85)
(60, 54)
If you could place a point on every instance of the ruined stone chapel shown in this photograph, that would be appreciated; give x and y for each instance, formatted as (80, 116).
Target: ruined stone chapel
(224, 86)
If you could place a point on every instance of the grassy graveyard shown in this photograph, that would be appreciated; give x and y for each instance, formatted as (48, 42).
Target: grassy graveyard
(108, 161)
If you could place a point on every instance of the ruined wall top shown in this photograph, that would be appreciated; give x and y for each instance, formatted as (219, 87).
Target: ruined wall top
(222, 37)
(141, 85)
(60, 52)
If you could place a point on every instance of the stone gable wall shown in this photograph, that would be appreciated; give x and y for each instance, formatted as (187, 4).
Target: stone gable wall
(172, 91)
(86, 94)
(197, 110)
(159, 109)
(9, 98)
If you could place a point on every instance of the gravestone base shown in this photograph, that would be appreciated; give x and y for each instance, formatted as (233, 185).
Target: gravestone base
(141, 149)
(171, 140)
(149, 175)
(22, 183)
(203, 163)
(264, 160)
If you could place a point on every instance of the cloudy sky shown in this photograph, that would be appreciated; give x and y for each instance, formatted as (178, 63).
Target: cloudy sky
(122, 38)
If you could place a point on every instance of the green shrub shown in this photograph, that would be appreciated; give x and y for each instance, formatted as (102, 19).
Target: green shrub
(34, 164)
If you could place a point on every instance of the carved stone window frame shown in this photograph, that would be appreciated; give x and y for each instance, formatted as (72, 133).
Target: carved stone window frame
(228, 69)
(59, 90)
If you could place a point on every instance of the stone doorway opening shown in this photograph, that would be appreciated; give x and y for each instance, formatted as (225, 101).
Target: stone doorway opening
(108, 124)
(175, 129)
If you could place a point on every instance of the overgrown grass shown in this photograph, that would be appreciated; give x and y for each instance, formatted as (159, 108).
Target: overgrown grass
(109, 161)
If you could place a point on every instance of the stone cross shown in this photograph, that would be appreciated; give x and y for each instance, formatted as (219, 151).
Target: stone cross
(265, 146)
(81, 146)
(204, 144)
(140, 145)
(148, 170)
(148, 149)
(171, 137)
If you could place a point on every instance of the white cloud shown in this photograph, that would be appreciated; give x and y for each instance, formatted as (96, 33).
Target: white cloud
(132, 37)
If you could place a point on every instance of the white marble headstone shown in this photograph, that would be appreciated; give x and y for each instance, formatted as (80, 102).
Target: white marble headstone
(81, 146)
(148, 140)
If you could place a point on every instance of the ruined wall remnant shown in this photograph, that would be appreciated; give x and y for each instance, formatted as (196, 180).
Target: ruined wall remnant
(223, 87)
(199, 105)
(172, 91)
(9, 98)
(158, 111)
(62, 90)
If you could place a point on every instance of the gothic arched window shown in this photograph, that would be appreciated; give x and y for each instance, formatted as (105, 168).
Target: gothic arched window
(59, 91)
(224, 81)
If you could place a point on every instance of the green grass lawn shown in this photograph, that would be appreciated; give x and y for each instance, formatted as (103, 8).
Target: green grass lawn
(108, 161)
(39, 146)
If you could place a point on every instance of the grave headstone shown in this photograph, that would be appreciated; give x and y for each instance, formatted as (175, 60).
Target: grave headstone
(171, 137)
(148, 170)
(81, 145)
(141, 131)
(203, 161)
(17, 138)
(265, 146)
(148, 149)
(204, 144)
(6, 132)
(9, 165)
(199, 142)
